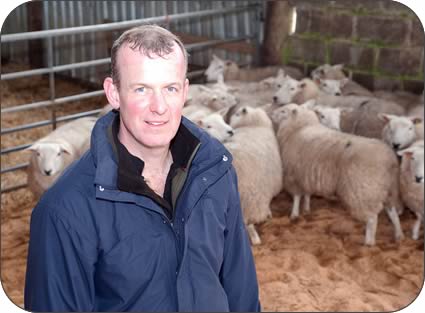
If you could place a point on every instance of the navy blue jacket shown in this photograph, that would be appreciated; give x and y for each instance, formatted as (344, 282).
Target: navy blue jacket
(95, 248)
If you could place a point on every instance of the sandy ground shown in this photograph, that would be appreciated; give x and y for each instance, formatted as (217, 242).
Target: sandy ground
(317, 263)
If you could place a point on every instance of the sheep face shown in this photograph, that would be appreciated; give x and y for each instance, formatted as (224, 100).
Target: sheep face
(415, 156)
(399, 132)
(215, 125)
(332, 86)
(287, 89)
(50, 156)
(330, 117)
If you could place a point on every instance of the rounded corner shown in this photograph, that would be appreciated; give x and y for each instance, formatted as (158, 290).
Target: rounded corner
(406, 4)
(9, 7)
(7, 307)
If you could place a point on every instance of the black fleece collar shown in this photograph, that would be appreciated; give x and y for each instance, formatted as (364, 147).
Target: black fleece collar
(130, 167)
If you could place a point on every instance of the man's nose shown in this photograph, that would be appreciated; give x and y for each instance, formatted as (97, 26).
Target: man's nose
(158, 104)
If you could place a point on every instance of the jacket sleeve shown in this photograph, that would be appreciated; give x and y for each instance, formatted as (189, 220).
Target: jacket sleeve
(238, 274)
(60, 267)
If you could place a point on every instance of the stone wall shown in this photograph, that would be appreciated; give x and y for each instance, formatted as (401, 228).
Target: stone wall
(380, 42)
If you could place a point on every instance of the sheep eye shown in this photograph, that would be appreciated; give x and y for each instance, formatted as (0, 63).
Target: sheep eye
(322, 116)
(279, 85)
(292, 89)
(38, 153)
(59, 153)
(208, 126)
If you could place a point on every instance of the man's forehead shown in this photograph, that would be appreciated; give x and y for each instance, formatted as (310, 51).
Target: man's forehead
(127, 49)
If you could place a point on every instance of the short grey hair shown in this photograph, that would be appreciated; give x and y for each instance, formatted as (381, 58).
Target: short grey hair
(149, 40)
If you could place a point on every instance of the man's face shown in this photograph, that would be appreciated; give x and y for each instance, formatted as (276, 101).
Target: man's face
(151, 97)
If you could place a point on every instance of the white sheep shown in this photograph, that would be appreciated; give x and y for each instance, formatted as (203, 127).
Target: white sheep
(359, 121)
(362, 173)
(401, 131)
(334, 72)
(215, 125)
(412, 182)
(330, 117)
(51, 154)
(215, 98)
(258, 165)
(231, 71)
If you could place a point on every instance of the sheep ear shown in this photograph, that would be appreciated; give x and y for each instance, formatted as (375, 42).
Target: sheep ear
(223, 111)
(34, 147)
(406, 152)
(384, 117)
(416, 120)
(66, 147)
(344, 82)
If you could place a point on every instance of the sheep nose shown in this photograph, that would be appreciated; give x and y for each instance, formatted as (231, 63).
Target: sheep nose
(274, 99)
(230, 132)
(47, 172)
(396, 146)
(419, 179)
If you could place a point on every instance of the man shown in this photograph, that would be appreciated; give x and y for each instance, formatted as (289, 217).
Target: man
(149, 219)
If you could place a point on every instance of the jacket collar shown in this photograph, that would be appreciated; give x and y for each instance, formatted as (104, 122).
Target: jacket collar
(209, 154)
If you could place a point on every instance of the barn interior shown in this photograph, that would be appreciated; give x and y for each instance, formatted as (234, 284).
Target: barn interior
(56, 54)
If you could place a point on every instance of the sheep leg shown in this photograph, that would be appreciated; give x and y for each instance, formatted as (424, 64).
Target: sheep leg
(307, 204)
(295, 207)
(417, 227)
(393, 215)
(253, 235)
(371, 225)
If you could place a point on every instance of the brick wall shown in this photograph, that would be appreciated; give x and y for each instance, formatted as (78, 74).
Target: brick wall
(380, 42)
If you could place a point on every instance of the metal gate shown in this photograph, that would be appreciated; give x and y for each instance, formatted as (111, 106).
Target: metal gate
(208, 23)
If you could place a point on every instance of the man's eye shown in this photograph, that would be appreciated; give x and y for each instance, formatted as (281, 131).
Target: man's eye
(171, 89)
(141, 89)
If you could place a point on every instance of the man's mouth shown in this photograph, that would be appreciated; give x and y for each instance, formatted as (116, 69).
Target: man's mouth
(152, 123)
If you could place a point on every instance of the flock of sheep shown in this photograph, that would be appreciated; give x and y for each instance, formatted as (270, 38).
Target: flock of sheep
(322, 136)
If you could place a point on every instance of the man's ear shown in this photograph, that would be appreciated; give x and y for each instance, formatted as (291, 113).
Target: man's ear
(111, 93)
(186, 91)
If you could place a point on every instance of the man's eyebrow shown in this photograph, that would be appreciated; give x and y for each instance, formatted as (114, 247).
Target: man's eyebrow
(150, 86)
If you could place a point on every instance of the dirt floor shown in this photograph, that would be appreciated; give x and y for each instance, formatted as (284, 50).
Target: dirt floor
(317, 263)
